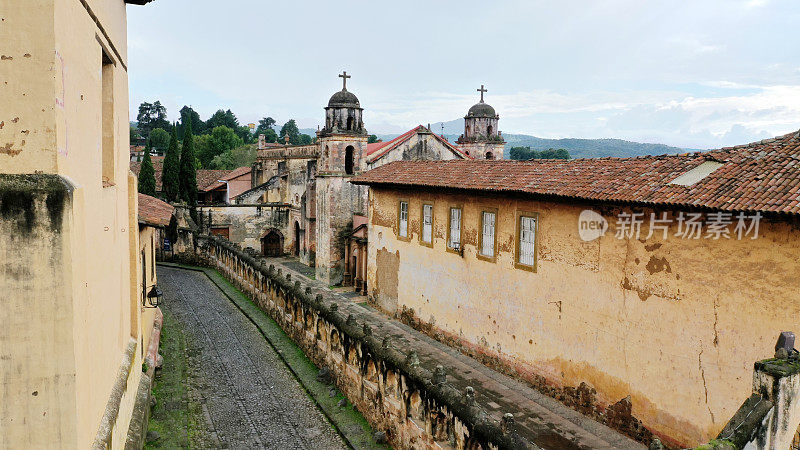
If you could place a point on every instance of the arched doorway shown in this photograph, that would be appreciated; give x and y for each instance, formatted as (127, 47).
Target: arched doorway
(296, 238)
(349, 123)
(348, 160)
(272, 243)
(489, 155)
(489, 131)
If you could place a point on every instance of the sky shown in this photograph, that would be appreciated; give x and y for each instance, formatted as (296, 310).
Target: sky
(695, 74)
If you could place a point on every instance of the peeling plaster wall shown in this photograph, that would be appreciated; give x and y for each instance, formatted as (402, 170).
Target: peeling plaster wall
(421, 146)
(51, 90)
(673, 323)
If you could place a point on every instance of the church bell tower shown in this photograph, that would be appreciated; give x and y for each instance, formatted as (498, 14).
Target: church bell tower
(481, 138)
(343, 152)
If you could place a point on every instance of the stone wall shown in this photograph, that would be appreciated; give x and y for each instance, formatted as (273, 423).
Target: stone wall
(416, 408)
(247, 224)
(297, 151)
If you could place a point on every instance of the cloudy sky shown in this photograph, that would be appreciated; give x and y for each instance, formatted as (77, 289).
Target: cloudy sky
(697, 74)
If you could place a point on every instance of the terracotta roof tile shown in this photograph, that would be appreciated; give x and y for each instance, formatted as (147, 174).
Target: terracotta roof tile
(227, 177)
(763, 176)
(153, 211)
(205, 177)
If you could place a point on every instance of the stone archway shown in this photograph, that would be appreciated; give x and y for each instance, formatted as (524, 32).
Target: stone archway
(272, 243)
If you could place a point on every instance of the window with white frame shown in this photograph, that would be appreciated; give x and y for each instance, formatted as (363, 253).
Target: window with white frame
(427, 223)
(403, 225)
(527, 240)
(487, 234)
(455, 229)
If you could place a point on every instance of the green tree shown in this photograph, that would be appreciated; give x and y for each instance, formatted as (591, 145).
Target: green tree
(265, 127)
(372, 139)
(265, 124)
(147, 176)
(243, 156)
(171, 170)
(562, 153)
(159, 140)
(304, 139)
(220, 140)
(188, 172)
(151, 116)
(222, 119)
(136, 137)
(526, 153)
(290, 129)
(521, 153)
(190, 115)
(228, 119)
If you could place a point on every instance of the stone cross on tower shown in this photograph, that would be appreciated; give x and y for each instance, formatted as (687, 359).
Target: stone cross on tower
(481, 90)
(344, 76)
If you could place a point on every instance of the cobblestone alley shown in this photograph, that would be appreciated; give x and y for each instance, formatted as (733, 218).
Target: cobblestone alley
(248, 396)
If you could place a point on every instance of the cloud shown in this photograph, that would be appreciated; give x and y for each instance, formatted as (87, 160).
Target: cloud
(698, 74)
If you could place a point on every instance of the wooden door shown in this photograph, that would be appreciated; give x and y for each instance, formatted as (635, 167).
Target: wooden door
(271, 244)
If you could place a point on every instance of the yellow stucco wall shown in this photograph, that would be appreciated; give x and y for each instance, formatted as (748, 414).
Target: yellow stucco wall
(52, 122)
(676, 324)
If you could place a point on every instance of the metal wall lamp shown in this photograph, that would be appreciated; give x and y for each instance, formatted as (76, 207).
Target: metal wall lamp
(153, 298)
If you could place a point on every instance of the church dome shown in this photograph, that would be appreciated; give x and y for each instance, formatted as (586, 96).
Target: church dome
(481, 110)
(344, 99)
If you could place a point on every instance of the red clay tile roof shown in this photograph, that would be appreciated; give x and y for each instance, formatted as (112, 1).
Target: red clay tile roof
(205, 177)
(154, 212)
(158, 166)
(229, 176)
(378, 149)
(762, 176)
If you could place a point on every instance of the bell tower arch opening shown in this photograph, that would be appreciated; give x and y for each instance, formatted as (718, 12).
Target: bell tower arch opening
(348, 159)
(296, 238)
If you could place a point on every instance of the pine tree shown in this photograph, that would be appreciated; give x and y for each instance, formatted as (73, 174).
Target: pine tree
(188, 171)
(170, 173)
(147, 178)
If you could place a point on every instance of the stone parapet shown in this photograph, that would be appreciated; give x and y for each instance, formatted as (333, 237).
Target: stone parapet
(415, 407)
(289, 152)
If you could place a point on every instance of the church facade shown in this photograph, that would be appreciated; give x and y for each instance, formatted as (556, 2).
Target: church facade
(311, 183)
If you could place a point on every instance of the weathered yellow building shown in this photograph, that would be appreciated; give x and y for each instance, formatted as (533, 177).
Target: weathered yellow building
(660, 278)
(74, 334)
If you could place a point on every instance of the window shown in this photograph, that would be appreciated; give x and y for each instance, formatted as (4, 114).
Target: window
(454, 232)
(107, 122)
(427, 224)
(526, 244)
(488, 234)
(403, 220)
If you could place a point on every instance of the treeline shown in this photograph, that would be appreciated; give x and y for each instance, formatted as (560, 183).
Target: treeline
(526, 153)
(220, 142)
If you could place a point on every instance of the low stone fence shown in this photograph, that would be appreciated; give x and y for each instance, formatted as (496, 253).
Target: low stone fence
(416, 408)
(770, 417)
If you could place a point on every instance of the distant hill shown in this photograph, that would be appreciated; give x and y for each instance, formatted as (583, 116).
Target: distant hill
(577, 148)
